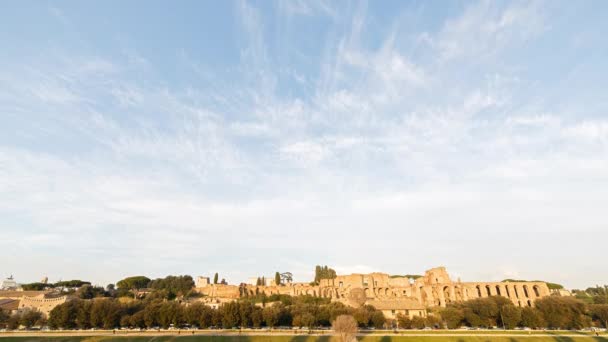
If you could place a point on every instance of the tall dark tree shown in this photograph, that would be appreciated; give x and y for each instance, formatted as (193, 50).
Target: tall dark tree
(174, 285)
(170, 313)
(600, 313)
(256, 317)
(324, 272)
(453, 317)
(30, 318)
(215, 278)
(198, 315)
(562, 312)
(277, 279)
(271, 316)
(105, 313)
(151, 313)
(377, 319)
(83, 314)
(64, 315)
(510, 316)
(532, 318)
(230, 316)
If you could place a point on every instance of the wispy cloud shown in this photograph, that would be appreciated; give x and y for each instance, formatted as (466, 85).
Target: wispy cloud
(358, 152)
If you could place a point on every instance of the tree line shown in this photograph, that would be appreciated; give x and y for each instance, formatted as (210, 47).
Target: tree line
(553, 312)
(324, 272)
(593, 295)
(155, 312)
(171, 300)
(27, 318)
(60, 284)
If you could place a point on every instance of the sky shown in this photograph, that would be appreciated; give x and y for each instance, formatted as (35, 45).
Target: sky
(248, 137)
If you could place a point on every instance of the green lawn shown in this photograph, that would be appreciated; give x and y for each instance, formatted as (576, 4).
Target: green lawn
(304, 339)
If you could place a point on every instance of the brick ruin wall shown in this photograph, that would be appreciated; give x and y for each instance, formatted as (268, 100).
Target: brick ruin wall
(433, 289)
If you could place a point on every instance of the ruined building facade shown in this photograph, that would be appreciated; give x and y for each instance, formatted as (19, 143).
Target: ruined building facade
(434, 289)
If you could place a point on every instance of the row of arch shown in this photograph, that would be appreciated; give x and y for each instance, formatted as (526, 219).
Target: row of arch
(521, 291)
(520, 294)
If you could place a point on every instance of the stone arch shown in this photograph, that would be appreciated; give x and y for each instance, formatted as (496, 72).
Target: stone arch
(423, 295)
(516, 292)
(435, 294)
(367, 293)
(529, 303)
(526, 293)
(436, 299)
(536, 290)
(458, 293)
(386, 292)
(478, 287)
(446, 294)
(508, 292)
(488, 291)
(498, 290)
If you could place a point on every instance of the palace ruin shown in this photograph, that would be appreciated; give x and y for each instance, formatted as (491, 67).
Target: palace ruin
(391, 294)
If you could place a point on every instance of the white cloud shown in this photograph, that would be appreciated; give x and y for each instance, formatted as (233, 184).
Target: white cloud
(127, 95)
(381, 152)
(484, 29)
(306, 151)
(589, 131)
(539, 120)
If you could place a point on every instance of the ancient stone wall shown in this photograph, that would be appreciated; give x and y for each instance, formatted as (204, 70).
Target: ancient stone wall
(19, 294)
(40, 303)
(435, 288)
(220, 291)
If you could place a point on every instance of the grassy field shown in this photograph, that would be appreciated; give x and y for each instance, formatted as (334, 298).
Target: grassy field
(202, 338)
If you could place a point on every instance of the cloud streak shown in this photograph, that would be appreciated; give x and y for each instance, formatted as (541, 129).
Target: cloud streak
(368, 152)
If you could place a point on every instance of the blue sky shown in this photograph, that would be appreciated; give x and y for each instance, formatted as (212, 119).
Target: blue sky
(247, 137)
